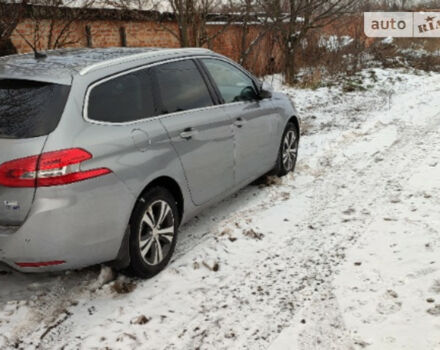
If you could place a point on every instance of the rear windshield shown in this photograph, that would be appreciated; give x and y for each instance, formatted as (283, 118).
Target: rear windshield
(30, 108)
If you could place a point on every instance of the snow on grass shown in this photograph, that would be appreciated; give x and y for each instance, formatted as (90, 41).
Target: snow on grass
(334, 43)
(343, 254)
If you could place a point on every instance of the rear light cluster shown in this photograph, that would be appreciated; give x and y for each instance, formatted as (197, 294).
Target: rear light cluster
(48, 169)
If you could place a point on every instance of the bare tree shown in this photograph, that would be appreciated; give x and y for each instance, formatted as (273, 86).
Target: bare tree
(396, 5)
(294, 19)
(192, 17)
(11, 13)
(140, 5)
(253, 35)
(52, 22)
(248, 16)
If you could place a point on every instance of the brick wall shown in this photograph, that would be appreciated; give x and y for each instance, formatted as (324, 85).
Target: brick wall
(104, 33)
(107, 33)
(111, 28)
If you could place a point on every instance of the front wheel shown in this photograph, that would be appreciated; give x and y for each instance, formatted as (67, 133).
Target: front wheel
(153, 235)
(288, 152)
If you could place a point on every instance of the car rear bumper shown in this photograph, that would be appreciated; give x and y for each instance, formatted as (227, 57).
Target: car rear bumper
(69, 227)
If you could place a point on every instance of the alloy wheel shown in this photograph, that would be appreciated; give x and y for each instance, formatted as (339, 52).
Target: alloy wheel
(156, 233)
(290, 150)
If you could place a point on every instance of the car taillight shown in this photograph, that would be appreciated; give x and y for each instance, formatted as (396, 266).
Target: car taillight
(48, 169)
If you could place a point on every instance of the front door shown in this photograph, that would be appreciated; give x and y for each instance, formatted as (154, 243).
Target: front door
(254, 120)
(254, 124)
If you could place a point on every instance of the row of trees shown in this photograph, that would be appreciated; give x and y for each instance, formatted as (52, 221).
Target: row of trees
(287, 22)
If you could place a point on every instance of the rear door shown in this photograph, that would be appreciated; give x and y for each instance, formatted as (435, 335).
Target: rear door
(254, 120)
(200, 131)
(29, 111)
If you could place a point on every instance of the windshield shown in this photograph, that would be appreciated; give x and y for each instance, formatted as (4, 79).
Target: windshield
(30, 108)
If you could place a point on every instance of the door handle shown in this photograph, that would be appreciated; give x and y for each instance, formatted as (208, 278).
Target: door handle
(239, 122)
(188, 133)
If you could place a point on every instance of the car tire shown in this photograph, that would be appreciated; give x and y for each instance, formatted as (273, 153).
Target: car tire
(288, 152)
(153, 232)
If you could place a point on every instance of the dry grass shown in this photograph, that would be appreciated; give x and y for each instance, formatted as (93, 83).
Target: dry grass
(319, 65)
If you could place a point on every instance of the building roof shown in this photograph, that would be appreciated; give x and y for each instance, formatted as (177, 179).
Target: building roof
(61, 65)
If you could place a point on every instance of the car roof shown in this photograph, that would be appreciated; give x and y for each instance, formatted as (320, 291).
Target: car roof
(60, 66)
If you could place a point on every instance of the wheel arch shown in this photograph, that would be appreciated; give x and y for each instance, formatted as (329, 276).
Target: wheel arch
(123, 258)
(295, 121)
(171, 185)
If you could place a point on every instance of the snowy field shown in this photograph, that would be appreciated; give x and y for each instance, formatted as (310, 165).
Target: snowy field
(345, 254)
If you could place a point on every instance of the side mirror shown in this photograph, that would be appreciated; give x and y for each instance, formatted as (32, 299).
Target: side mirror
(265, 91)
(248, 94)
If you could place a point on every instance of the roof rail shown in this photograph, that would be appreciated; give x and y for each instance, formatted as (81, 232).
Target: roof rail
(135, 57)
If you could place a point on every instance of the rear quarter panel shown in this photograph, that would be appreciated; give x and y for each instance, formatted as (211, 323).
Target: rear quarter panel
(137, 153)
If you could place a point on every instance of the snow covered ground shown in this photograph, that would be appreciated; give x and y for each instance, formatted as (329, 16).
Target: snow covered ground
(342, 255)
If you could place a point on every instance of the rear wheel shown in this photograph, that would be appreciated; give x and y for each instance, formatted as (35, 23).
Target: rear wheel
(288, 152)
(153, 235)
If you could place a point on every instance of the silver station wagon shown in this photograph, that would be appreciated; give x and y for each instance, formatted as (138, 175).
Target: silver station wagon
(105, 152)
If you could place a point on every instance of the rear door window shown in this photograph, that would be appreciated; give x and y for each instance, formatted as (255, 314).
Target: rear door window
(233, 84)
(181, 87)
(122, 99)
(30, 108)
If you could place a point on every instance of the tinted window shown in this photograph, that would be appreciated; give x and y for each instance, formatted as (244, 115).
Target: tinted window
(122, 99)
(232, 83)
(181, 87)
(30, 108)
